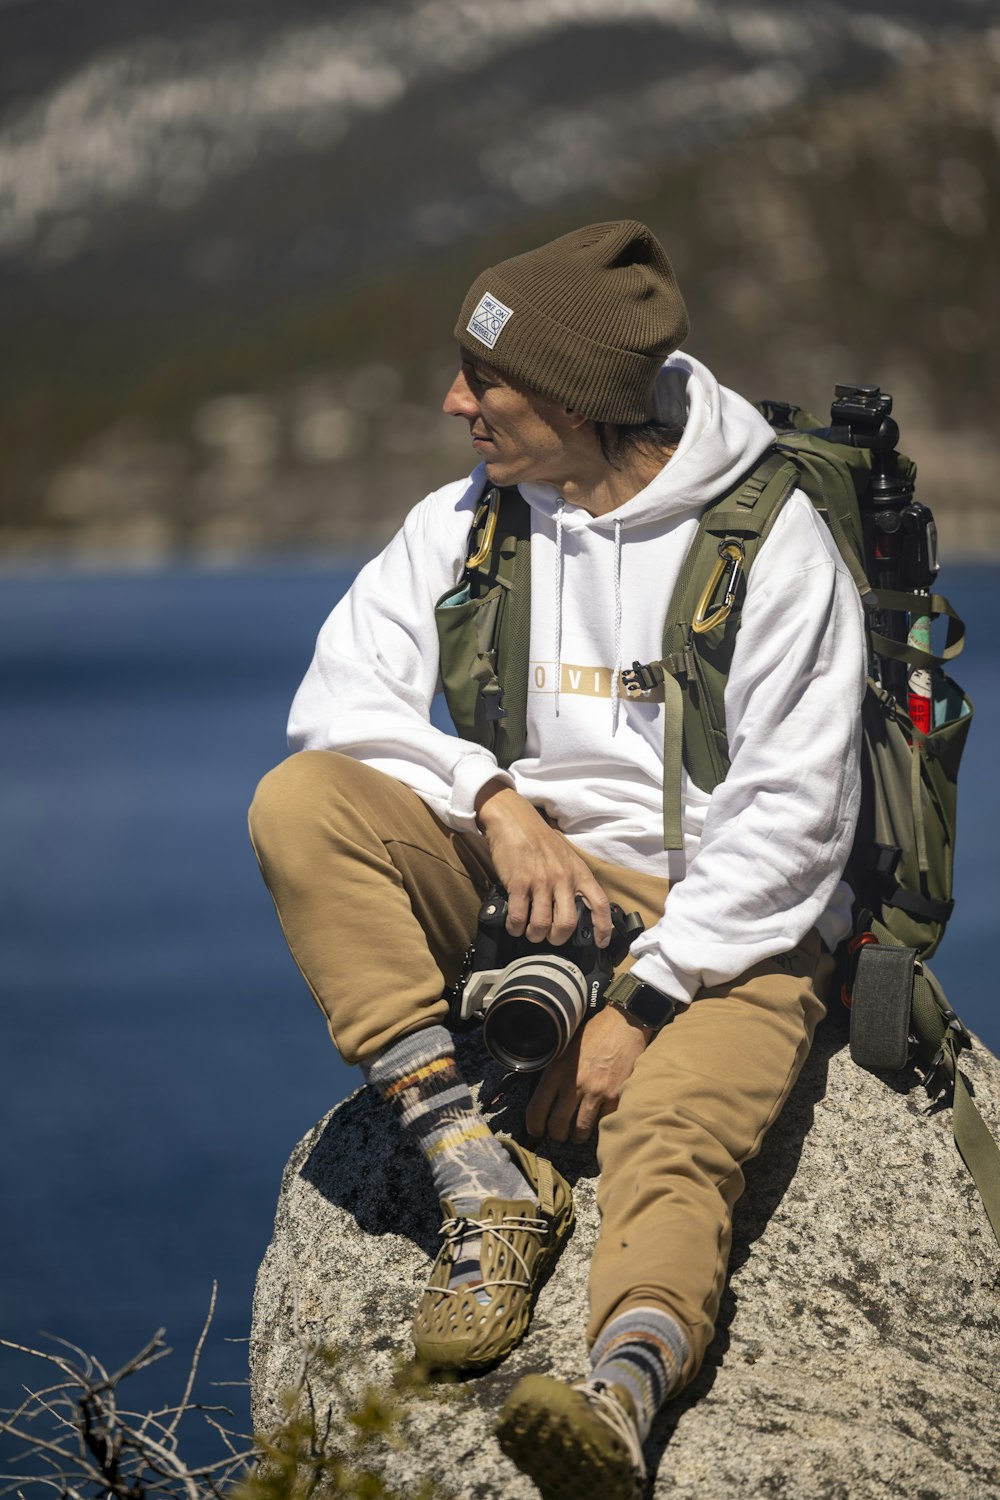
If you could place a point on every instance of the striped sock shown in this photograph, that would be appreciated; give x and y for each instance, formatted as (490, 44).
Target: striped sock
(419, 1078)
(641, 1353)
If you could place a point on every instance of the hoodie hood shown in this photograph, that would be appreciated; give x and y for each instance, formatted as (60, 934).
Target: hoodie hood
(723, 437)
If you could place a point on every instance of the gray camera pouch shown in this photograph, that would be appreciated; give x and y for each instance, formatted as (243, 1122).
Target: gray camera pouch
(882, 999)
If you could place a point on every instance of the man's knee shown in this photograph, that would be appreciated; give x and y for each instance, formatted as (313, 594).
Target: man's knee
(291, 793)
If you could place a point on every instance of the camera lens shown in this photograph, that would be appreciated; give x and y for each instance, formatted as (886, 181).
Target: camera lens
(534, 1010)
(522, 1034)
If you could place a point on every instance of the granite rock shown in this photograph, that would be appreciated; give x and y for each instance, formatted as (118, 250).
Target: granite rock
(858, 1345)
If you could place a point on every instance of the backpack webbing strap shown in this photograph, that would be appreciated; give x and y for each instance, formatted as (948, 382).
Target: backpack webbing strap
(917, 905)
(933, 605)
(941, 1037)
(975, 1143)
(878, 863)
(916, 805)
(673, 718)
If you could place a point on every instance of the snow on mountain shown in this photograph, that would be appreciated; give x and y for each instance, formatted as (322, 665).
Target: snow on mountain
(167, 117)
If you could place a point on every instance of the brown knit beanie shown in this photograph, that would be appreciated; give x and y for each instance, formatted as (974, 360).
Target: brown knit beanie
(587, 319)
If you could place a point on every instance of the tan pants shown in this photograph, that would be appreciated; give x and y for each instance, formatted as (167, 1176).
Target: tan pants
(378, 901)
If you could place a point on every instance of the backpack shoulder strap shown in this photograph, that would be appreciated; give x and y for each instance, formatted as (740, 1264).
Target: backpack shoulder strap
(512, 643)
(835, 476)
(699, 633)
(483, 628)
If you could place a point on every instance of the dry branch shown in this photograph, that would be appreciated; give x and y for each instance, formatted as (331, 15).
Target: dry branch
(80, 1441)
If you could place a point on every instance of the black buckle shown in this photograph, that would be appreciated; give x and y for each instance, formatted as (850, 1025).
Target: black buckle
(492, 696)
(935, 1079)
(779, 414)
(938, 1078)
(638, 679)
(954, 1024)
(881, 860)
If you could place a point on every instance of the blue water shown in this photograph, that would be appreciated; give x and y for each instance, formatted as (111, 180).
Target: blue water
(161, 1054)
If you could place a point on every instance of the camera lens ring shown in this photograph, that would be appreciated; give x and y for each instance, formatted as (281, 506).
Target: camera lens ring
(533, 1011)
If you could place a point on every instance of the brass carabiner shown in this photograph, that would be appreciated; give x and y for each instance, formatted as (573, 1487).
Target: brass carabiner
(486, 546)
(730, 556)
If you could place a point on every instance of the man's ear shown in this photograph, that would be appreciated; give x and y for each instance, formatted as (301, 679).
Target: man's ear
(576, 421)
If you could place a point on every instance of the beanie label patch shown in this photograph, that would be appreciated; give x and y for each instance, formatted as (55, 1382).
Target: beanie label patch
(488, 321)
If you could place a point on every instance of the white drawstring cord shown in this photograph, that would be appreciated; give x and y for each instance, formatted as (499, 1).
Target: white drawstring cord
(616, 673)
(559, 560)
(455, 1231)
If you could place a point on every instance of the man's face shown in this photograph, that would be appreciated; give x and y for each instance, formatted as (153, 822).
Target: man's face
(517, 434)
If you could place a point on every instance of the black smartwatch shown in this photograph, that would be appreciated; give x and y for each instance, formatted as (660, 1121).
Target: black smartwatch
(639, 1001)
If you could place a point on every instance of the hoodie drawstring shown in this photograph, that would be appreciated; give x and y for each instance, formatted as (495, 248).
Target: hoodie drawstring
(617, 669)
(559, 570)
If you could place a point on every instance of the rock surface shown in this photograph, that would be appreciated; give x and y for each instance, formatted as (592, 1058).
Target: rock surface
(858, 1347)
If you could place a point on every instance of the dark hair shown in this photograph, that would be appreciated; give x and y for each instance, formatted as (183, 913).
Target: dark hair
(618, 440)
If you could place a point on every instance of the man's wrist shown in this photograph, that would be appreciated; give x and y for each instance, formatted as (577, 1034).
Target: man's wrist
(485, 804)
(641, 1003)
(633, 1023)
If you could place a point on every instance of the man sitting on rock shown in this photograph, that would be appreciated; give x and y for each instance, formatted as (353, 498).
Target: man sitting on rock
(379, 838)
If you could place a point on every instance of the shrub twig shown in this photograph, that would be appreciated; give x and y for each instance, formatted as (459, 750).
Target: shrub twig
(80, 1441)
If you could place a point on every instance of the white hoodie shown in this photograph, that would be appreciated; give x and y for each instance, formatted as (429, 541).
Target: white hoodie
(763, 855)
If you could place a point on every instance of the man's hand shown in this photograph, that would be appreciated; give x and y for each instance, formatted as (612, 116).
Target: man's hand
(540, 872)
(587, 1079)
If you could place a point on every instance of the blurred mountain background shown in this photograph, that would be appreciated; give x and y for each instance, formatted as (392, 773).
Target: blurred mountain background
(234, 236)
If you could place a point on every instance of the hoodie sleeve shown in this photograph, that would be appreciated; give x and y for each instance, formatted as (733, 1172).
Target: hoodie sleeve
(779, 828)
(369, 687)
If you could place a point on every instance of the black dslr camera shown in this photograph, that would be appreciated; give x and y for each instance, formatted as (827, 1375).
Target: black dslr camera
(532, 997)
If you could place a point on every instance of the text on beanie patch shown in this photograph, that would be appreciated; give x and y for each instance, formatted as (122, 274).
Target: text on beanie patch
(487, 322)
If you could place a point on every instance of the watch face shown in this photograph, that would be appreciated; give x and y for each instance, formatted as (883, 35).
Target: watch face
(649, 1006)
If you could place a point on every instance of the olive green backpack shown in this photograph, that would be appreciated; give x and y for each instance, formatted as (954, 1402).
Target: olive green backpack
(901, 863)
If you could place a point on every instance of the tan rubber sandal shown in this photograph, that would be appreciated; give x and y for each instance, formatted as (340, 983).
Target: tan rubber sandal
(452, 1329)
(572, 1440)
